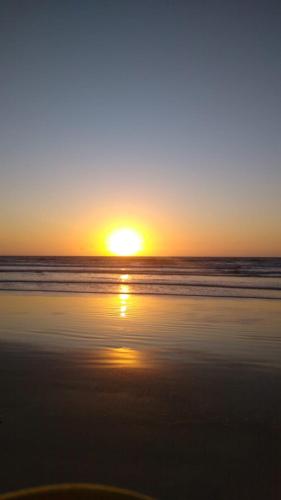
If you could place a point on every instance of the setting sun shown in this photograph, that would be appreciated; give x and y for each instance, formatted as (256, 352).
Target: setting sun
(124, 242)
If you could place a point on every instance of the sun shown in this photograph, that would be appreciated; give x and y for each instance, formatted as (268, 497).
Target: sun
(124, 242)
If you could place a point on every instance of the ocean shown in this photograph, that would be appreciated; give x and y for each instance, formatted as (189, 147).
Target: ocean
(185, 276)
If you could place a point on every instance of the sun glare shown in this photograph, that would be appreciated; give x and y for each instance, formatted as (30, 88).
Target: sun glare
(124, 242)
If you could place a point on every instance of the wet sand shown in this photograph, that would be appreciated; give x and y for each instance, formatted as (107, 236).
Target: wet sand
(176, 419)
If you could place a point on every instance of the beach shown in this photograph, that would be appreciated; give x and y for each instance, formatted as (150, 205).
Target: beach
(140, 247)
(176, 397)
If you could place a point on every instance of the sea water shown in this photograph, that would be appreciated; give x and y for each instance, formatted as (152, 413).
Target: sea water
(212, 277)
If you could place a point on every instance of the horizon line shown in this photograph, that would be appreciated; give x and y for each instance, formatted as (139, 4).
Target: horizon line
(49, 256)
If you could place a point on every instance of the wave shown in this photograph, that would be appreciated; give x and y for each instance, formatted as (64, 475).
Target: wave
(154, 272)
(201, 265)
(148, 283)
(164, 293)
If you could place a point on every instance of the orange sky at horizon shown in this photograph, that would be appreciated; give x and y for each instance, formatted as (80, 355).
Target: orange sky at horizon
(160, 238)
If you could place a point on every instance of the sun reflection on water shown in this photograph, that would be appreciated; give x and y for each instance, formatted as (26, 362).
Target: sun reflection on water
(124, 277)
(124, 357)
(123, 298)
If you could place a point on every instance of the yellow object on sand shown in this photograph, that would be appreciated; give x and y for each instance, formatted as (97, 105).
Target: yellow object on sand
(74, 492)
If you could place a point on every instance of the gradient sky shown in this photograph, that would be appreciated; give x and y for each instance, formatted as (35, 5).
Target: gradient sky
(162, 115)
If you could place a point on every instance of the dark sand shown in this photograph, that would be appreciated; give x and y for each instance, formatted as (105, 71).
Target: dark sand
(177, 433)
(174, 430)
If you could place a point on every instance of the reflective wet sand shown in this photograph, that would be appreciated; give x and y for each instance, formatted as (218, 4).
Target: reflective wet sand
(175, 397)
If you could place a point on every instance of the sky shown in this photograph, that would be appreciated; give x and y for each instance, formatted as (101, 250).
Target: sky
(163, 116)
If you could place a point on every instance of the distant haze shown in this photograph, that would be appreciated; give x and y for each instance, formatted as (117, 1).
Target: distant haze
(163, 116)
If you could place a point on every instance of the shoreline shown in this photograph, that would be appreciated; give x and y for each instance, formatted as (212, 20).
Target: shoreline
(153, 294)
